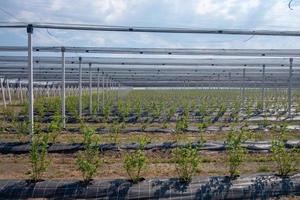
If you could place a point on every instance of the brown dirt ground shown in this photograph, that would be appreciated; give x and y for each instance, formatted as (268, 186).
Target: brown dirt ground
(159, 165)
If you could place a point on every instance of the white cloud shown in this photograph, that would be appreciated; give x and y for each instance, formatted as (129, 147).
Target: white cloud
(56, 5)
(193, 13)
(279, 16)
(229, 9)
(110, 10)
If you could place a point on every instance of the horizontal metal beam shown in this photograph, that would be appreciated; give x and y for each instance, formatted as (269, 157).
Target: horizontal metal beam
(243, 62)
(162, 51)
(92, 27)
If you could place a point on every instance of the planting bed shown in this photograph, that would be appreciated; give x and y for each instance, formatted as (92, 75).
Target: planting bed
(245, 187)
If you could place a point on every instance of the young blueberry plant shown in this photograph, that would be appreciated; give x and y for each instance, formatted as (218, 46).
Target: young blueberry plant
(115, 131)
(38, 156)
(106, 111)
(181, 124)
(187, 161)
(22, 127)
(202, 127)
(88, 160)
(235, 152)
(55, 127)
(136, 161)
(284, 158)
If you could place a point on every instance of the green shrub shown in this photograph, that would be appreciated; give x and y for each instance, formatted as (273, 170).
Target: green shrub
(235, 152)
(115, 131)
(285, 159)
(72, 106)
(54, 128)
(106, 111)
(202, 126)
(38, 156)
(202, 110)
(9, 113)
(249, 110)
(222, 110)
(123, 110)
(259, 106)
(138, 108)
(171, 112)
(2, 129)
(136, 161)
(24, 108)
(187, 161)
(22, 127)
(40, 108)
(283, 132)
(88, 160)
(165, 125)
(56, 124)
(181, 124)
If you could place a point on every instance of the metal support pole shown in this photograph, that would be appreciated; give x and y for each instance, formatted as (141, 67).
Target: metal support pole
(243, 89)
(107, 89)
(80, 88)
(98, 86)
(219, 81)
(17, 89)
(3, 93)
(8, 91)
(290, 88)
(103, 91)
(47, 90)
(30, 79)
(113, 89)
(263, 88)
(63, 88)
(119, 90)
(110, 88)
(90, 89)
(21, 92)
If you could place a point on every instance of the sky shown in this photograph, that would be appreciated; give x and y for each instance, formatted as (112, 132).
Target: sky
(227, 14)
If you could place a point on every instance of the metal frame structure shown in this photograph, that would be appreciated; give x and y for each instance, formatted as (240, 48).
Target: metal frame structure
(265, 68)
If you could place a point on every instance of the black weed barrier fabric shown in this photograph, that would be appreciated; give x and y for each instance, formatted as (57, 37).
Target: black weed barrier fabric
(257, 146)
(210, 188)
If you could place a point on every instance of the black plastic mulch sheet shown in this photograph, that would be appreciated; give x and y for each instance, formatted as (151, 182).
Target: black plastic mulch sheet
(257, 146)
(246, 187)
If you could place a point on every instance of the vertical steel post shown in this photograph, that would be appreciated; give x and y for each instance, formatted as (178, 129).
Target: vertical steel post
(110, 88)
(18, 89)
(290, 88)
(243, 89)
(63, 87)
(263, 88)
(90, 89)
(80, 88)
(113, 89)
(107, 89)
(8, 91)
(119, 90)
(21, 92)
(3, 93)
(98, 86)
(103, 91)
(30, 79)
(218, 81)
(48, 90)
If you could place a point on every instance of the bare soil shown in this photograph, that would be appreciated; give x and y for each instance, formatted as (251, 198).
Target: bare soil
(160, 165)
